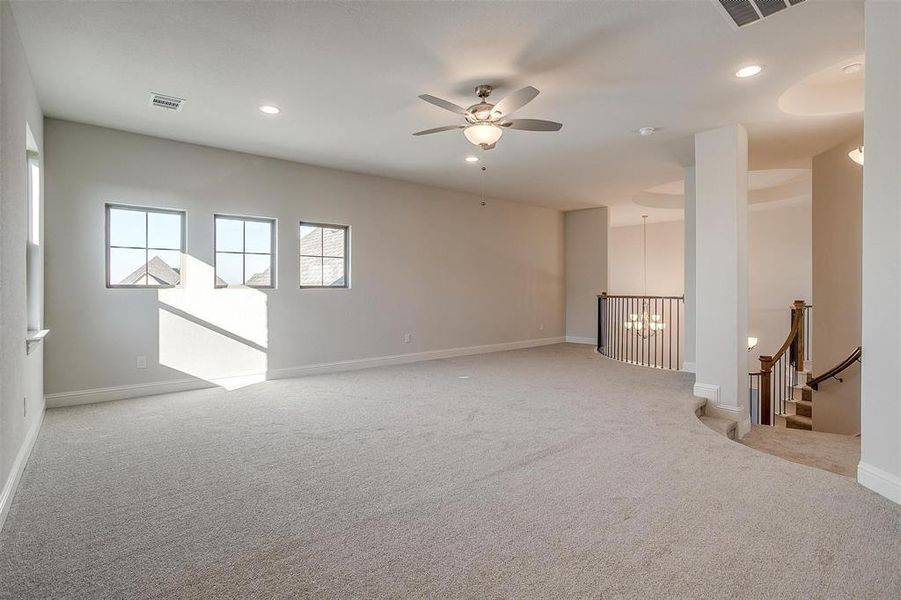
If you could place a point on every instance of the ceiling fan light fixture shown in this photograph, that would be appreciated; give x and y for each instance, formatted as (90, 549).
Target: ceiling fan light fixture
(483, 134)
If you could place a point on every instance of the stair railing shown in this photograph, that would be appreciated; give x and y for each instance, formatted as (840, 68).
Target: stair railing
(778, 372)
(641, 330)
(835, 371)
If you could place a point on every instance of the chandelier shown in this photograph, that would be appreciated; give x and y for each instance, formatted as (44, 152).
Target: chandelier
(645, 324)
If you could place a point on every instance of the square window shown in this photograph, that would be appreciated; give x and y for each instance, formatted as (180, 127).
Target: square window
(323, 255)
(245, 251)
(144, 246)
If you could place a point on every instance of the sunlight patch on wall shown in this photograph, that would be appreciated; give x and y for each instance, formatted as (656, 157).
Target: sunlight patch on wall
(218, 335)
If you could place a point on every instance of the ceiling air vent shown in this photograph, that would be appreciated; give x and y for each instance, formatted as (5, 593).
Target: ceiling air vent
(744, 12)
(167, 102)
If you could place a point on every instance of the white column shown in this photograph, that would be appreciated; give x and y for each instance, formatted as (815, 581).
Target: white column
(688, 336)
(586, 271)
(880, 406)
(721, 274)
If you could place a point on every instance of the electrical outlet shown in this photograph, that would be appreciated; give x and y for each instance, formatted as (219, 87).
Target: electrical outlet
(408, 338)
(141, 362)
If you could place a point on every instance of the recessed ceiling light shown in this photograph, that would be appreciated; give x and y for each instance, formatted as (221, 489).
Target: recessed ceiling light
(852, 68)
(471, 159)
(749, 71)
(269, 109)
(646, 131)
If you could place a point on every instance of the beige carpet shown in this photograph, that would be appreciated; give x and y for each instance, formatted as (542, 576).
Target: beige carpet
(549, 472)
(829, 451)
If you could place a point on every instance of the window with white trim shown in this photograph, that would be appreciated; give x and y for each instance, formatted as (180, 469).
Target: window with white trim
(245, 251)
(144, 246)
(33, 258)
(324, 255)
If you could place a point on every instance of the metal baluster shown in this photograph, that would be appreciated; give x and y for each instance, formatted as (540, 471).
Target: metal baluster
(679, 306)
(658, 338)
(669, 335)
(621, 329)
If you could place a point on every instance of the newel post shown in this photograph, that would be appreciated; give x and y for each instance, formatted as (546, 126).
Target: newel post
(765, 391)
(799, 311)
(602, 326)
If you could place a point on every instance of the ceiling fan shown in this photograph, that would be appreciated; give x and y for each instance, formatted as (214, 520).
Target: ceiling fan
(485, 122)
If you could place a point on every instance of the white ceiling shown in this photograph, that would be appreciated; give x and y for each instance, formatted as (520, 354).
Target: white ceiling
(347, 76)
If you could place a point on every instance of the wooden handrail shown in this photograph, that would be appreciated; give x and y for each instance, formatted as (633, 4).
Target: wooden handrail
(797, 324)
(834, 371)
(606, 295)
(795, 336)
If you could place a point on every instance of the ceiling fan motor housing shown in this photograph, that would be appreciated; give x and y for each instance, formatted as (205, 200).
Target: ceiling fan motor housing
(484, 90)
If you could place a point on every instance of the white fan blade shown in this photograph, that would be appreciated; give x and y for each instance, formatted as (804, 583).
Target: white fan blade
(532, 125)
(446, 105)
(516, 100)
(439, 129)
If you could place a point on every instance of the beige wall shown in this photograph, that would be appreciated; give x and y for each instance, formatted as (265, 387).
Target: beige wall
(779, 270)
(665, 259)
(837, 244)
(424, 261)
(586, 271)
(21, 379)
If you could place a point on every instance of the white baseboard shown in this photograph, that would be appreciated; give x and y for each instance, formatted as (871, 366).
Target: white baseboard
(689, 367)
(881, 482)
(572, 339)
(400, 359)
(18, 466)
(123, 392)
(709, 391)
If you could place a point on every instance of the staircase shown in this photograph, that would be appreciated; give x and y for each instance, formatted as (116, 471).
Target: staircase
(777, 387)
(800, 408)
(784, 385)
(726, 427)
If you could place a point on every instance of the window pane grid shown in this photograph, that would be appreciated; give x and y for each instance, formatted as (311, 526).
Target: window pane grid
(264, 276)
(168, 272)
(325, 268)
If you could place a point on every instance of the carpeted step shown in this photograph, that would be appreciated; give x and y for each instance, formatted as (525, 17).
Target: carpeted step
(804, 408)
(725, 427)
(799, 422)
(700, 403)
(802, 392)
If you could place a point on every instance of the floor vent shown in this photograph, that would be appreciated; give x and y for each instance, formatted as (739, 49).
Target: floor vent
(744, 12)
(167, 102)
